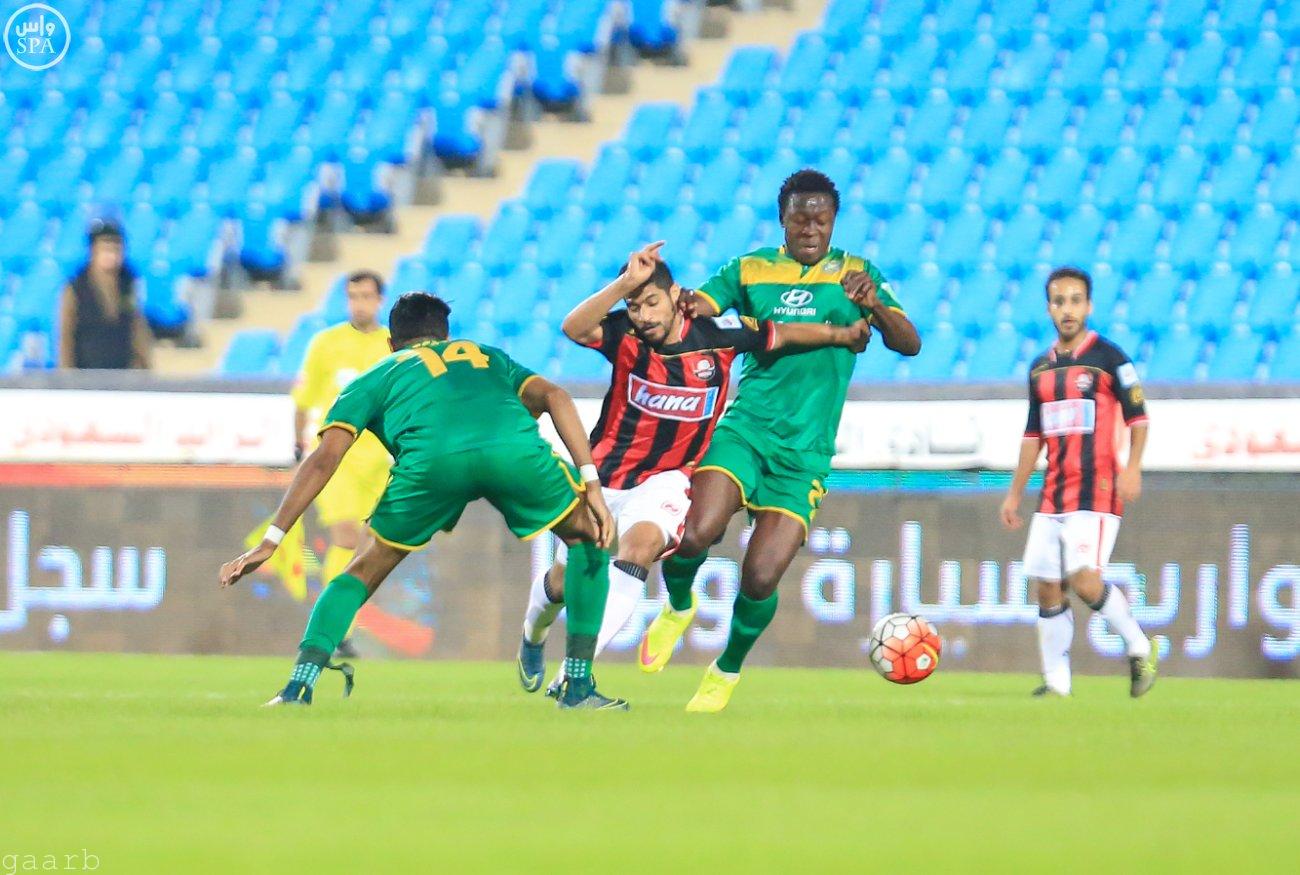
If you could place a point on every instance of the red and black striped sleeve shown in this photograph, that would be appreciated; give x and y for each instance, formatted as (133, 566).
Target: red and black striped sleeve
(614, 327)
(1034, 423)
(741, 333)
(1127, 388)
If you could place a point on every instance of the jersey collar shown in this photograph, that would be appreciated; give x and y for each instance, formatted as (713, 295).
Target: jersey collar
(1089, 339)
(807, 268)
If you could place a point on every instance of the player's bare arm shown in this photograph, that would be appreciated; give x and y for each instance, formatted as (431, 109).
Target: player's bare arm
(542, 396)
(696, 306)
(1030, 448)
(308, 481)
(898, 331)
(1129, 482)
(582, 325)
(809, 334)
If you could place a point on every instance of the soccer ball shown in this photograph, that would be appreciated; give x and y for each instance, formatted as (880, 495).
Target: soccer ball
(905, 648)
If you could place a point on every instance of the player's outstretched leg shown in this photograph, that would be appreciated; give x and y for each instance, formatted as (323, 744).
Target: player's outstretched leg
(773, 545)
(332, 617)
(1111, 603)
(544, 605)
(626, 587)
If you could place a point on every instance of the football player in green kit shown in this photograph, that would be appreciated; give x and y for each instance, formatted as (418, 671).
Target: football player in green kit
(771, 453)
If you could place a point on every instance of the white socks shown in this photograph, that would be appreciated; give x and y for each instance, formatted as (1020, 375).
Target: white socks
(541, 611)
(625, 591)
(1115, 610)
(1055, 635)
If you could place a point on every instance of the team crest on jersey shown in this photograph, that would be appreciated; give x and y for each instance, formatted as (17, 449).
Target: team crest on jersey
(683, 403)
(833, 266)
(704, 369)
(1083, 382)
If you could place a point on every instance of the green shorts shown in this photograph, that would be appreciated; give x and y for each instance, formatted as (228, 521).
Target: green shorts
(528, 483)
(770, 477)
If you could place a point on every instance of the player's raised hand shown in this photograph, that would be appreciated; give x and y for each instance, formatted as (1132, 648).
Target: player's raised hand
(861, 289)
(233, 570)
(858, 335)
(641, 264)
(1010, 513)
(600, 513)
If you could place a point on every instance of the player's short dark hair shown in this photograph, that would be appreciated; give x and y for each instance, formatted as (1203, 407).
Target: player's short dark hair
(360, 276)
(1069, 273)
(662, 278)
(416, 316)
(806, 181)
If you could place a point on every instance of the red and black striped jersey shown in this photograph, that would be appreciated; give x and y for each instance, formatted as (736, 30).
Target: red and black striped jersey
(1078, 404)
(663, 403)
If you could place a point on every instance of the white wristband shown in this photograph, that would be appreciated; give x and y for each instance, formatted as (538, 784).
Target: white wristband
(589, 474)
(273, 534)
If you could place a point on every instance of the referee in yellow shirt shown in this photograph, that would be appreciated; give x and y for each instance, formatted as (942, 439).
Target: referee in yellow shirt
(334, 358)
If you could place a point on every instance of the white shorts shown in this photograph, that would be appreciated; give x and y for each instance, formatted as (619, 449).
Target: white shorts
(661, 499)
(1061, 544)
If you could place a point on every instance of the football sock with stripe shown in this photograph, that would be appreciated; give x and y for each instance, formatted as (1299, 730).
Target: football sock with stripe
(679, 577)
(1115, 609)
(336, 562)
(543, 608)
(586, 588)
(626, 587)
(335, 609)
(1055, 635)
(749, 617)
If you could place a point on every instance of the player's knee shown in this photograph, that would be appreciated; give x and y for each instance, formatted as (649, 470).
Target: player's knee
(641, 545)
(346, 535)
(758, 581)
(1049, 593)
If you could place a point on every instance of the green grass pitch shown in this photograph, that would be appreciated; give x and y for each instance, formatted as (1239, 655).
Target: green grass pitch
(166, 764)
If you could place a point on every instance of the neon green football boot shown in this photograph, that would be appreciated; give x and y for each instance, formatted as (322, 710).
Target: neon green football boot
(714, 692)
(661, 637)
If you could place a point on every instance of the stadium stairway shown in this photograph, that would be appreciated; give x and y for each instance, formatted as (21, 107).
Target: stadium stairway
(550, 138)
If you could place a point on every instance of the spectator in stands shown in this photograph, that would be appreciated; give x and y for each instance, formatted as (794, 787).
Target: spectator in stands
(101, 320)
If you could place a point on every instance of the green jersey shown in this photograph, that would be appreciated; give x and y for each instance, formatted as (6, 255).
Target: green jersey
(793, 397)
(437, 398)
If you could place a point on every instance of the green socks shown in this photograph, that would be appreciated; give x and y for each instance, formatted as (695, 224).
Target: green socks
(586, 586)
(748, 620)
(333, 614)
(679, 577)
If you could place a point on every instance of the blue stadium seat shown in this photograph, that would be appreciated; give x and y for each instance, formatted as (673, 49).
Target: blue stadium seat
(1174, 356)
(1210, 309)
(308, 65)
(1106, 286)
(1274, 128)
(856, 73)
(985, 130)
(559, 238)
(1060, 184)
(1273, 305)
(505, 238)
(193, 238)
(1194, 244)
(959, 243)
(69, 243)
(746, 74)
(455, 140)
(913, 65)
(852, 228)
(117, 178)
(164, 302)
(1184, 16)
(877, 365)
(842, 166)
(956, 19)
(289, 186)
(607, 180)
(1103, 124)
(411, 274)
(926, 132)
(995, 354)
(921, 293)
(1256, 72)
(252, 353)
(1143, 71)
(943, 188)
(1285, 364)
(869, 133)
(618, 237)
(1158, 130)
(679, 230)
(1284, 187)
(901, 240)
(1083, 72)
(580, 282)
(105, 124)
(1130, 341)
(582, 364)
(648, 129)
(969, 73)
(1216, 129)
(1021, 238)
(702, 132)
(801, 75)
(217, 126)
(1178, 178)
(1027, 309)
(479, 78)
(365, 66)
(21, 235)
(449, 241)
(1119, 182)
(230, 179)
(1026, 71)
(1233, 185)
(650, 29)
(901, 18)
(938, 356)
(730, 236)
(1002, 185)
(844, 19)
(1253, 245)
(1042, 132)
(36, 304)
(1242, 17)
(534, 346)
(974, 305)
(294, 348)
(517, 295)
(661, 182)
(549, 186)
(174, 180)
(757, 133)
(719, 180)
(1152, 298)
(1132, 246)
(261, 240)
(818, 125)
(1236, 356)
(767, 179)
(364, 191)
(388, 127)
(1198, 73)
(465, 290)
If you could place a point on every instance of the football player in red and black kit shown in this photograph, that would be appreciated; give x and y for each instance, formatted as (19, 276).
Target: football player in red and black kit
(668, 390)
(1082, 393)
